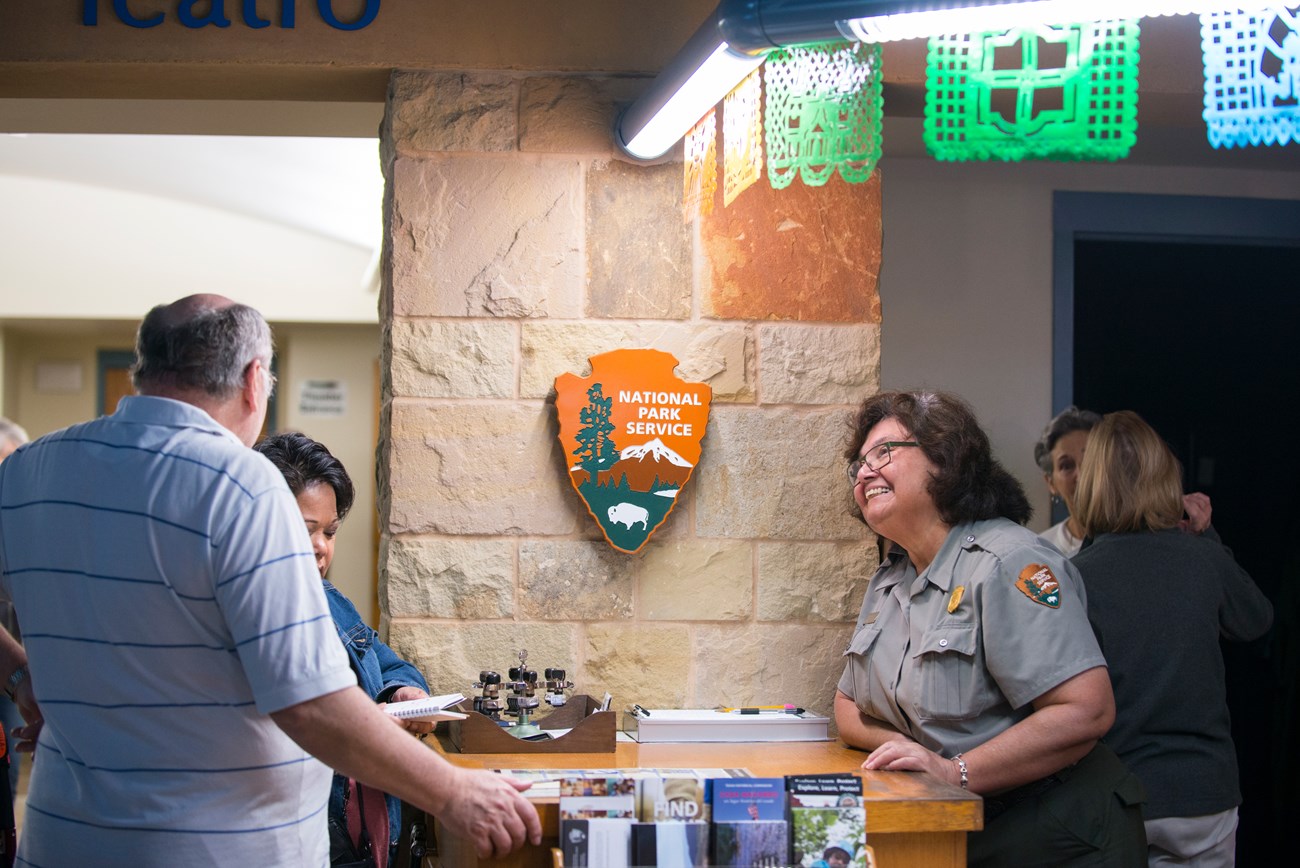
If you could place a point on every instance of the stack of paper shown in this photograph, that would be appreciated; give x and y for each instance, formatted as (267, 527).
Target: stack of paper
(710, 725)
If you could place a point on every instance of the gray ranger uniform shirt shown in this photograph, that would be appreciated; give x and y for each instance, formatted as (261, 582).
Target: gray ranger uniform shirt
(956, 655)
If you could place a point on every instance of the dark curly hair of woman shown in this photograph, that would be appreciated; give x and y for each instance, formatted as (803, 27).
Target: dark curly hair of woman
(306, 462)
(970, 484)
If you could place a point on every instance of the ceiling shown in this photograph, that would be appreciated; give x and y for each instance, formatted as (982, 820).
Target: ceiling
(314, 167)
(329, 186)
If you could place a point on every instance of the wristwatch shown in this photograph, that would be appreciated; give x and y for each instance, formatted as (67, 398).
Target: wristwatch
(19, 676)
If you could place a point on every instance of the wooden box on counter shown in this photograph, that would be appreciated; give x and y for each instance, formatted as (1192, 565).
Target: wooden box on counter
(589, 731)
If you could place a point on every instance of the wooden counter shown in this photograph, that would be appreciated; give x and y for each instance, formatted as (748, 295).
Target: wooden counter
(913, 819)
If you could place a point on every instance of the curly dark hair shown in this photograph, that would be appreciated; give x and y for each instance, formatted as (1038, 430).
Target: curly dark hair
(970, 484)
(306, 462)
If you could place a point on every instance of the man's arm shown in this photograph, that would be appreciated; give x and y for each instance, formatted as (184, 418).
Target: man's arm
(348, 732)
(12, 658)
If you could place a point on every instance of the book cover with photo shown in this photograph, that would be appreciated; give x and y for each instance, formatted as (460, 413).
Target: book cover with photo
(750, 827)
(828, 821)
(673, 831)
(596, 817)
(671, 797)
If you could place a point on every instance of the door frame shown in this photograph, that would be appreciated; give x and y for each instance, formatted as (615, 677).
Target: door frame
(1143, 217)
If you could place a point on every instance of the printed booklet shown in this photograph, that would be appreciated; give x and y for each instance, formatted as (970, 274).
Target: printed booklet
(672, 829)
(596, 817)
(828, 821)
(749, 822)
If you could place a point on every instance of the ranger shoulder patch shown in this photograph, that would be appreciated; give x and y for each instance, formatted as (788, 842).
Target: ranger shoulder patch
(1038, 584)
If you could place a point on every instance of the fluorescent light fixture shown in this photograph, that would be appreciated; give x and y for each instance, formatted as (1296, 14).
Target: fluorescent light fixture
(704, 88)
(972, 17)
(740, 33)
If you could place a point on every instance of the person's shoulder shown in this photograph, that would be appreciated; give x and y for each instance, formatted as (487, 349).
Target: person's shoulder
(1022, 560)
(1008, 541)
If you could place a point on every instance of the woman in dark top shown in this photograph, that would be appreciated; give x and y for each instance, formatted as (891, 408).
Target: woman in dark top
(1159, 600)
(324, 492)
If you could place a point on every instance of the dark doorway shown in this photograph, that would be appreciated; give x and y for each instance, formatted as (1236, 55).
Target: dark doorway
(1199, 339)
(1195, 332)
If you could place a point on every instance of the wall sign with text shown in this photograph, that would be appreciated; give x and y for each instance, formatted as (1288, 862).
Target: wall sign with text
(212, 13)
(631, 436)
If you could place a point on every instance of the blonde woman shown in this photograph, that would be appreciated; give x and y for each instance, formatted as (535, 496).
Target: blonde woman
(1159, 600)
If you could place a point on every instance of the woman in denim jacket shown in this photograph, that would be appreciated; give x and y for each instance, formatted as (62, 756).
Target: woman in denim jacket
(324, 492)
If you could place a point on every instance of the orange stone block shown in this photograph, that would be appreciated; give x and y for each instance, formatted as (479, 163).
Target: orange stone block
(803, 253)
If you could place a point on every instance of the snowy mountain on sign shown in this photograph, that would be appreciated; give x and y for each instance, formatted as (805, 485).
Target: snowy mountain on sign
(656, 450)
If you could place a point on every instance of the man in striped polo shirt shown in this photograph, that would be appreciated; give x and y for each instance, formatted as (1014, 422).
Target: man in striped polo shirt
(181, 649)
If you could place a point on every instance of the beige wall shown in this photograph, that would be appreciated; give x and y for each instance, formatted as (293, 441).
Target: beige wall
(966, 285)
(518, 247)
(76, 345)
(349, 355)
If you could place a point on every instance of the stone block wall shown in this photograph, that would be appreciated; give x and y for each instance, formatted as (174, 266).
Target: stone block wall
(518, 245)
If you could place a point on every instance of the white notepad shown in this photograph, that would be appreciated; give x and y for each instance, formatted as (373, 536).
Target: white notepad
(429, 708)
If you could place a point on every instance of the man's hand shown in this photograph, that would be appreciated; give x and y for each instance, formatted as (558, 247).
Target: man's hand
(488, 809)
(346, 730)
(403, 694)
(27, 707)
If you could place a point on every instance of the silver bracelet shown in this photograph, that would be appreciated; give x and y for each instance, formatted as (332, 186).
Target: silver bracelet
(961, 767)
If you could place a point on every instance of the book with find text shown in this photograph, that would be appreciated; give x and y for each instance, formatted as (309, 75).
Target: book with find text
(429, 708)
(672, 829)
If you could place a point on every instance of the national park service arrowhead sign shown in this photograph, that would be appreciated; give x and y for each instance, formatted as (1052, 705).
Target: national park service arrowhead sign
(631, 437)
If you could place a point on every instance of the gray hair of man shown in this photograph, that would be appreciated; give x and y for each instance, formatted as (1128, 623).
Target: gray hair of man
(1067, 421)
(11, 433)
(207, 352)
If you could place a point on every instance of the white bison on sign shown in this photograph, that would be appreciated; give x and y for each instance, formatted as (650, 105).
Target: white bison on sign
(628, 514)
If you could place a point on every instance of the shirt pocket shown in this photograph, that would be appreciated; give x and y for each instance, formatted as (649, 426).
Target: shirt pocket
(948, 686)
(358, 639)
(859, 661)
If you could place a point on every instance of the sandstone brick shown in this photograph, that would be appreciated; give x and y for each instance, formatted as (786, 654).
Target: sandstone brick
(565, 116)
(697, 580)
(453, 359)
(720, 355)
(818, 364)
(814, 581)
(774, 474)
(650, 665)
(477, 469)
(451, 655)
(638, 248)
(574, 581)
(802, 253)
(763, 664)
(482, 236)
(450, 111)
(470, 579)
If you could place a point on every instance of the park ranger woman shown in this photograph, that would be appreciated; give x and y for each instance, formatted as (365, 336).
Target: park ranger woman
(973, 658)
